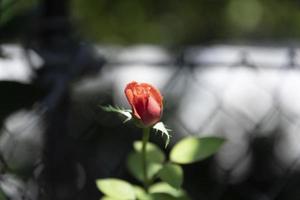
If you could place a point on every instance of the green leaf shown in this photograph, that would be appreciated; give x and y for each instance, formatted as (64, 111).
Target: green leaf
(154, 157)
(164, 131)
(134, 164)
(172, 174)
(165, 188)
(141, 194)
(116, 188)
(125, 112)
(153, 152)
(193, 149)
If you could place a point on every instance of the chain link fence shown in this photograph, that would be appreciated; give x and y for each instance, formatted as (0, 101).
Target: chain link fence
(246, 94)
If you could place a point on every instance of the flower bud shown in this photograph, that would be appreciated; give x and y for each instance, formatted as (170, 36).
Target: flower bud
(145, 101)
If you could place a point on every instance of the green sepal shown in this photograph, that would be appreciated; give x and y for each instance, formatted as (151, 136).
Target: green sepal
(159, 126)
(125, 112)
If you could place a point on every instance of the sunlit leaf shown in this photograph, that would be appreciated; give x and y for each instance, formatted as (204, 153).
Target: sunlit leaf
(164, 131)
(134, 164)
(153, 152)
(116, 188)
(125, 112)
(165, 188)
(193, 149)
(172, 174)
(141, 194)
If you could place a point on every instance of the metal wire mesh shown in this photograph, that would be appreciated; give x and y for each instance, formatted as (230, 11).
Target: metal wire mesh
(246, 94)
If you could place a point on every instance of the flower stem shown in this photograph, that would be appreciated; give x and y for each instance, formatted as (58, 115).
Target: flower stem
(146, 133)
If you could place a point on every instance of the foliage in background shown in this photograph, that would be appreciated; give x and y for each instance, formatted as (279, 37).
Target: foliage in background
(15, 18)
(11, 8)
(171, 22)
(187, 22)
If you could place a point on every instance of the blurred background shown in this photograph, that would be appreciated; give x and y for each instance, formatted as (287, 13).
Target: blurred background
(226, 68)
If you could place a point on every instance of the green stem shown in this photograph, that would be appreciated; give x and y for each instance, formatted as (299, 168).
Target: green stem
(146, 134)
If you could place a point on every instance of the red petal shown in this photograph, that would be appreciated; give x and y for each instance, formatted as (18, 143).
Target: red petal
(154, 93)
(129, 92)
(146, 102)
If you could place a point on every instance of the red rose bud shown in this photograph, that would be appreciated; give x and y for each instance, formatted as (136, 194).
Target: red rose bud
(145, 101)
